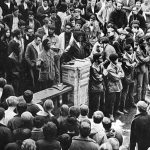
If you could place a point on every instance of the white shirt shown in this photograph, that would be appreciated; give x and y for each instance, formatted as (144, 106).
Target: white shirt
(15, 23)
(8, 4)
(25, 5)
(9, 114)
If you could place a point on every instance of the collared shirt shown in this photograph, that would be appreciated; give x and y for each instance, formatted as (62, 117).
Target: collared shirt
(25, 5)
(8, 4)
(15, 23)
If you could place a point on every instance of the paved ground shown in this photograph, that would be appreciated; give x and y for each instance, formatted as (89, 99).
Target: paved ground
(127, 119)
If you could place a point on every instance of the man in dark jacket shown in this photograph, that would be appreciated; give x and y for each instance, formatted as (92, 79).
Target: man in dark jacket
(136, 16)
(118, 17)
(140, 129)
(5, 133)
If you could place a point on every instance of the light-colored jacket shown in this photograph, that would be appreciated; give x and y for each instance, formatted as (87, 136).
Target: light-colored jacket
(115, 74)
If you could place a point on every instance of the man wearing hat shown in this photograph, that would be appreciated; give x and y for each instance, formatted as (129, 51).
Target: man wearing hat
(136, 16)
(140, 129)
(83, 141)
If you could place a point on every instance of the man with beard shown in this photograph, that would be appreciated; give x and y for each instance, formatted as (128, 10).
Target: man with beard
(118, 17)
(65, 38)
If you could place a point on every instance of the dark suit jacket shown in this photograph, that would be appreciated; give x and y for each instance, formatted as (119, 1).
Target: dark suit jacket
(119, 19)
(7, 10)
(140, 132)
(36, 24)
(23, 11)
(8, 19)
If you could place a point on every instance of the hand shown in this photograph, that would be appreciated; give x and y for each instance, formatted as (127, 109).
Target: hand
(105, 72)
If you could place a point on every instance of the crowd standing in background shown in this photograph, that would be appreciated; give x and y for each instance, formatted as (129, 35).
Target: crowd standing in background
(38, 36)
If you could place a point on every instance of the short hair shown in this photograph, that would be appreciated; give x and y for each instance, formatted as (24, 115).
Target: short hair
(98, 116)
(2, 113)
(28, 96)
(113, 57)
(16, 32)
(84, 110)
(37, 35)
(64, 110)
(85, 128)
(21, 107)
(38, 121)
(12, 101)
(96, 56)
(26, 116)
(50, 130)
(106, 123)
(74, 111)
(28, 144)
(48, 105)
(65, 141)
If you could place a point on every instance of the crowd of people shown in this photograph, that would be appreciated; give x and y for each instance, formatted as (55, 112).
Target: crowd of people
(38, 36)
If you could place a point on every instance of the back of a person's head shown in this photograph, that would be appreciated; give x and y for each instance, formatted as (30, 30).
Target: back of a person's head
(21, 134)
(28, 144)
(28, 96)
(48, 105)
(74, 111)
(106, 123)
(50, 130)
(26, 116)
(8, 90)
(98, 116)
(2, 113)
(84, 110)
(38, 121)
(65, 141)
(85, 128)
(2, 82)
(64, 110)
(114, 143)
(106, 146)
(21, 107)
(12, 101)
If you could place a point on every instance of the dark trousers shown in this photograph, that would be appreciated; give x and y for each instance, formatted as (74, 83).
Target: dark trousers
(128, 90)
(96, 102)
(112, 102)
(142, 83)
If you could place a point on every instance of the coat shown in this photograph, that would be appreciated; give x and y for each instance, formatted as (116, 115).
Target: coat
(140, 18)
(31, 55)
(140, 132)
(36, 24)
(79, 143)
(115, 74)
(119, 19)
(143, 59)
(96, 79)
(8, 19)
